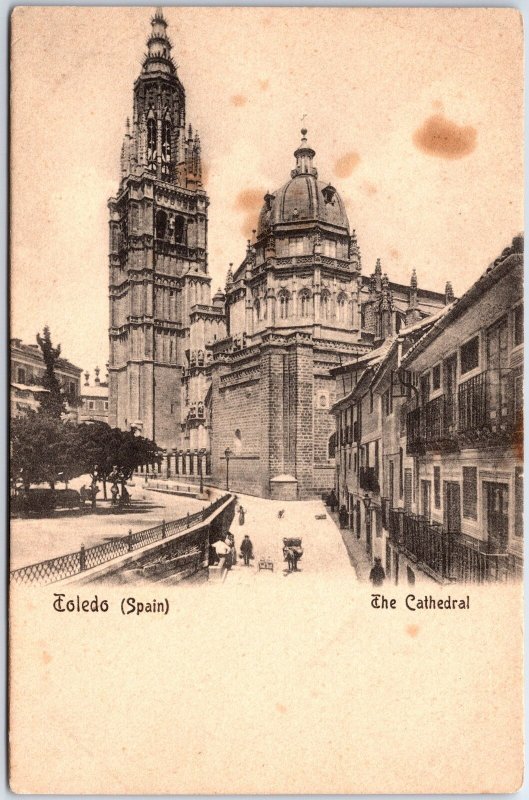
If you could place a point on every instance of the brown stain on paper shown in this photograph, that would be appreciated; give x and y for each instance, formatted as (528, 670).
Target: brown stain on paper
(412, 630)
(281, 708)
(238, 100)
(46, 657)
(439, 136)
(345, 165)
(250, 202)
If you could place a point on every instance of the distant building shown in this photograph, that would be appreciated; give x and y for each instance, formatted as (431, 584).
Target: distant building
(94, 399)
(26, 372)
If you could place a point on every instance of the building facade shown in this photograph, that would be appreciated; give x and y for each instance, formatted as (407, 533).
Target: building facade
(430, 438)
(94, 399)
(161, 314)
(297, 306)
(27, 370)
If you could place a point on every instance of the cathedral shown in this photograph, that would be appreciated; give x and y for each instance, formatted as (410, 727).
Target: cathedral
(238, 386)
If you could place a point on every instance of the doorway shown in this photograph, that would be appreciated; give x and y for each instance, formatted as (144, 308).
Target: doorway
(452, 507)
(497, 507)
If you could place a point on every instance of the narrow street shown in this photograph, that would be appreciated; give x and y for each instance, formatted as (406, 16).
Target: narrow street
(324, 551)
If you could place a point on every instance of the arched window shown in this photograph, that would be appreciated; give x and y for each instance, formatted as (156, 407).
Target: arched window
(283, 305)
(237, 442)
(305, 303)
(331, 446)
(166, 147)
(161, 224)
(151, 144)
(179, 230)
(325, 302)
(257, 310)
(342, 305)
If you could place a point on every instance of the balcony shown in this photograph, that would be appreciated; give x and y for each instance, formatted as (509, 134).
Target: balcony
(369, 480)
(482, 410)
(446, 557)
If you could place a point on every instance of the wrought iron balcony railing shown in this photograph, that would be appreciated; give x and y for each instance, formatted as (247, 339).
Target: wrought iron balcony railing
(472, 404)
(368, 480)
(447, 556)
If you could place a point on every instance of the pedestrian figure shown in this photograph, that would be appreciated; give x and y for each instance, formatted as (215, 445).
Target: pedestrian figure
(377, 575)
(230, 541)
(281, 513)
(246, 550)
(242, 512)
(221, 549)
(83, 495)
(125, 497)
(343, 515)
(114, 492)
(333, 500)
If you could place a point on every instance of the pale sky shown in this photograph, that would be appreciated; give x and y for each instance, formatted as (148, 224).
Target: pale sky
(415, 116)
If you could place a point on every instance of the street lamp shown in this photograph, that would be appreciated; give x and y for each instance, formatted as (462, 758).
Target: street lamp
(367, 501)
(200, 454)
(228, 454)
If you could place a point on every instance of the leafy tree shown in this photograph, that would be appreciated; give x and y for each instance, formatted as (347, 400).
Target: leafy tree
(53, 401)
(43, 450)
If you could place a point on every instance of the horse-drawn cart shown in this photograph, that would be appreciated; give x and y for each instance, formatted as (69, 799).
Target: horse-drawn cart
(292, 552)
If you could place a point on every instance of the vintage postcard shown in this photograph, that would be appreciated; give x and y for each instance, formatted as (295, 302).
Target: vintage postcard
(266, 378)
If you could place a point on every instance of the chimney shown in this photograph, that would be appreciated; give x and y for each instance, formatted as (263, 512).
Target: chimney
(97, 381)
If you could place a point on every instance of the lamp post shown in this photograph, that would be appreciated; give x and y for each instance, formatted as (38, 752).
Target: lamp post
(200, 455)
(366, 499)
(227, 453)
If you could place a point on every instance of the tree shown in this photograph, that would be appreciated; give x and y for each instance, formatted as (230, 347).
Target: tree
(43, 450)
(53, 401)
(110, 454)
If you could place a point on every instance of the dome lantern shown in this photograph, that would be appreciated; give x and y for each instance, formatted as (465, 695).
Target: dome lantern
(304, 155)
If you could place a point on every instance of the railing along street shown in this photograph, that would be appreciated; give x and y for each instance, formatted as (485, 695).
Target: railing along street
(56, 569)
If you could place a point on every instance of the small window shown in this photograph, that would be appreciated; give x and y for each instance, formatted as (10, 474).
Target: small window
(518, 501)
(106, 405)
(370, 401)
(21, 375)
(470, 492)
(436, 377)
(518, 325)
(425, 388)
(332, 446)
(91, 405)
(437, 487)
(296, 246)
(470, 355)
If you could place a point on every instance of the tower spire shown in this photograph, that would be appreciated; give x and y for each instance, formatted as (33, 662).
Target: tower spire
(159, 46)
(304, 155)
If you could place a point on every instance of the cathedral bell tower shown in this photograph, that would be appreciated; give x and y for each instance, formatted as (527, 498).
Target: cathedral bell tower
(158, 259)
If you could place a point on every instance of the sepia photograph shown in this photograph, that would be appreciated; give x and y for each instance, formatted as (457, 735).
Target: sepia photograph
(266, 397)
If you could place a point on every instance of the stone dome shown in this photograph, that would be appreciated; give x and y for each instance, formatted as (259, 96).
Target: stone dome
(303, 198)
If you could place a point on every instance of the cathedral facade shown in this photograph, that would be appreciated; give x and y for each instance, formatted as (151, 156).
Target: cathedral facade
(297, 306)
(244, 378)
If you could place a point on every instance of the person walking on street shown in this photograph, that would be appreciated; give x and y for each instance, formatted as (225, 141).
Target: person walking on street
(242, 512)
(377, 575)
(343, 515)
(247, 550)
(333, 500)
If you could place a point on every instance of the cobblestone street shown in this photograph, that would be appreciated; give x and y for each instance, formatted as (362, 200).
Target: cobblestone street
(324, 550)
